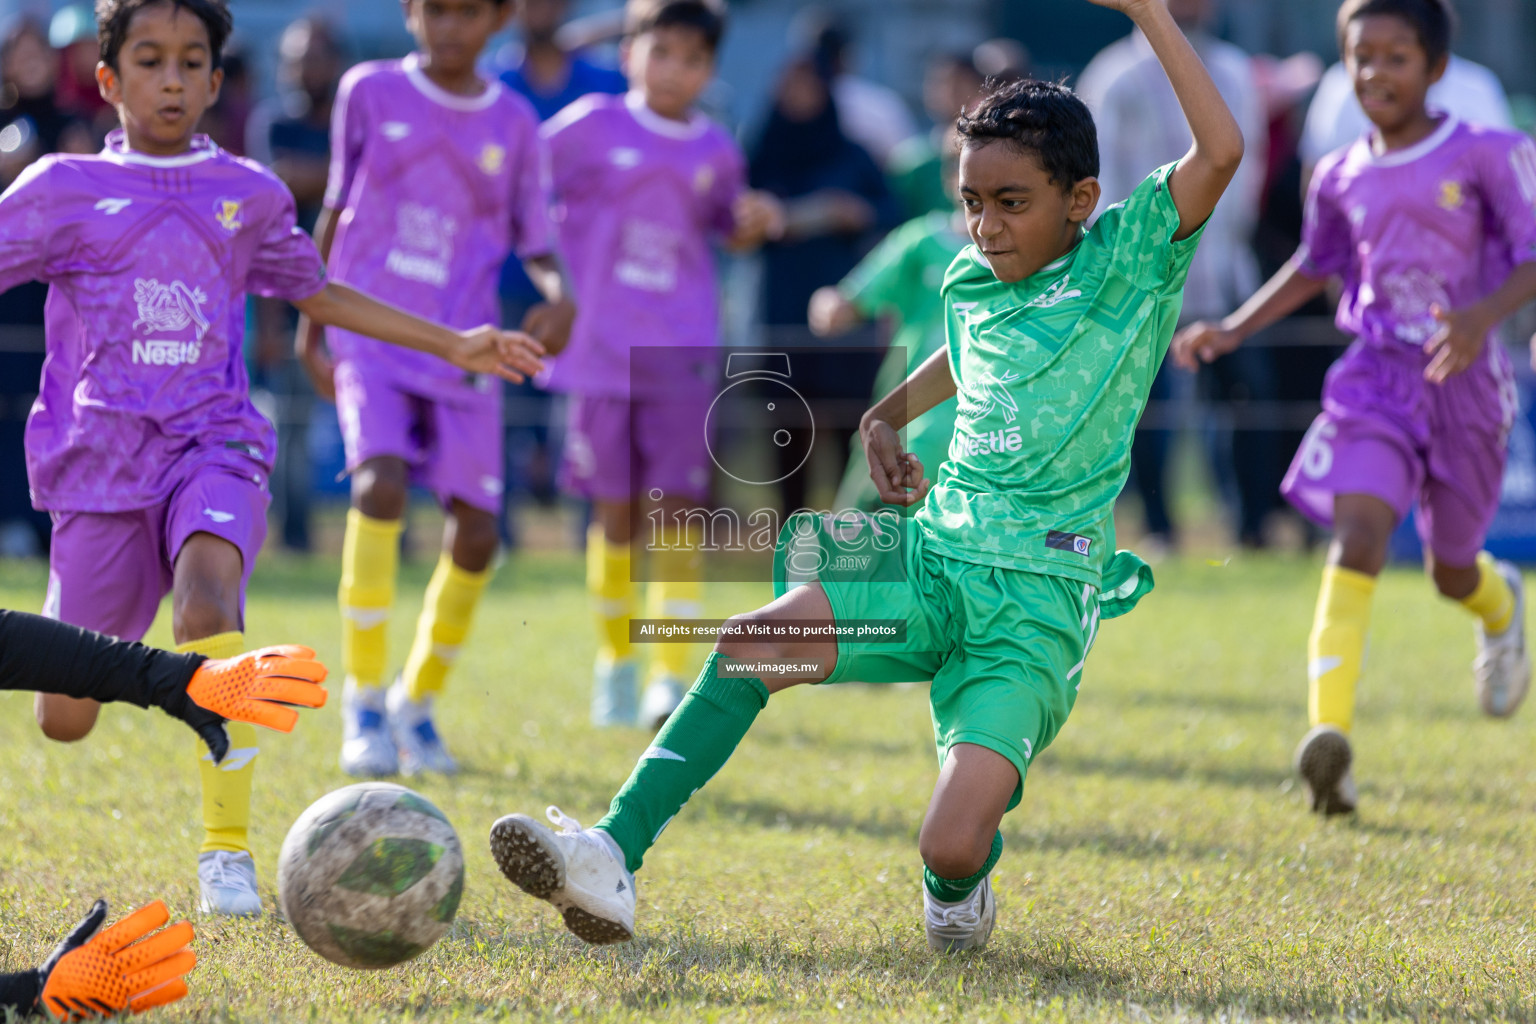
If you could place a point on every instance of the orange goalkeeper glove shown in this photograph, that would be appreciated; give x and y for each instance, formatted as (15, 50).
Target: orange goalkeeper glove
(261, 687)
(123, 968)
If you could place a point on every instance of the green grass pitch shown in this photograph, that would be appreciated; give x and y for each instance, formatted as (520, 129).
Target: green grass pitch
(1161, 866)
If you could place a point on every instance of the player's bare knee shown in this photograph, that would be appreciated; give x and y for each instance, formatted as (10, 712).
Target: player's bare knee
(63, 722)
(953, 853)
(380, 489)
(204, 608)
(1360, 547)
(474, 540)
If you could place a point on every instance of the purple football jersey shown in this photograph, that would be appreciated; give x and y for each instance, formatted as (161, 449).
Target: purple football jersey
(150, 259)
(435, 190)
(1439, 223)
(639, 199)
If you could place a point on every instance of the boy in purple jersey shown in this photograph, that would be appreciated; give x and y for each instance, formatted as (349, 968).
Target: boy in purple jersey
(437, 175)
(143, 442)
(644, 183)
(1431, 224)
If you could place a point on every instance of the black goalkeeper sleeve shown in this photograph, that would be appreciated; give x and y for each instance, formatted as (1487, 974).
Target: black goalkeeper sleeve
(41, 654)
(19, 992)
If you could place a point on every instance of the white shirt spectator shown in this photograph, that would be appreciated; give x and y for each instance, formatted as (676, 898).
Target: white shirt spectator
(873, 116)
(1141, 126)
(1335, 118)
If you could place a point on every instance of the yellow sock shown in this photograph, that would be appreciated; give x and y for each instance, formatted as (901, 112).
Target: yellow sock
(444, 623)
(1492, 601)
(226, 786)
(1336, 649)
(370, 558)
(675, 594)
(612, 593)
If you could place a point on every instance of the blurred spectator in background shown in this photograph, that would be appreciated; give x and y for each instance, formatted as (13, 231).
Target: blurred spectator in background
(1335, 119)
(1140, 125)
(32, 124)
(836, 204)
(551, 77)
(291, 133)
(871, 114)
(1002, 59)
(72, 32)
(227, 122)
(916, 167)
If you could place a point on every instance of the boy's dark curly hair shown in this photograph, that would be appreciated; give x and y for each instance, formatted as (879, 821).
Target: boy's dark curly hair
(1434, 21)
(1043, 118)
(114, 16)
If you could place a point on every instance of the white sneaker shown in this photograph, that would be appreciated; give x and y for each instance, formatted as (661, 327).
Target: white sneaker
(953, 927)
(662, 697)
(1502, 667)
(367, 750)
(228, 882)
(614, 685)
(1323, 761)
(410, 723)
(579, 870)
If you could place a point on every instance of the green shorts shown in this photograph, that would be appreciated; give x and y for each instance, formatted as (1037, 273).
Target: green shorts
(1003, 648)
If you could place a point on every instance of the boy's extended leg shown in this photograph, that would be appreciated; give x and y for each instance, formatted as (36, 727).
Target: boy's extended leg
(207, 620)
(370, 561)
(588, 874)
(463, 570)
(1363, 526)
(960, 845)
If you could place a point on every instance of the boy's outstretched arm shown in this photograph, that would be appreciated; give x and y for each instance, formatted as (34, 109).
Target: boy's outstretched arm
(898, 475)
(487, 349)
(549, 322)
(1204, 172)
(309, 340)
(1204, 341)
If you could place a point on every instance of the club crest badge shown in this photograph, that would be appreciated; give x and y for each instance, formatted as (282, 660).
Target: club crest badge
(227, 213)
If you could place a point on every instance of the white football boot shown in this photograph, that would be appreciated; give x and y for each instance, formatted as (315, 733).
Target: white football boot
(578, 870)
(367, 749)
(1502, 667)
(1323, 761)
(953, 927)
(410, 723)
(614, 688)
(228, 883)
(662, 697)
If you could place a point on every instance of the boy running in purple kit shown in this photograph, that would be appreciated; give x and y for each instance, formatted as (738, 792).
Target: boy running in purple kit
(143, 442)
(1431, 224)
(437, 175)
(645, 183)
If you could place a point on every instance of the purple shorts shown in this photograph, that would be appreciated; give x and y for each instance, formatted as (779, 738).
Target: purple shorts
(617, 449)
(107, 571)
(453, 448)
(1386, 432)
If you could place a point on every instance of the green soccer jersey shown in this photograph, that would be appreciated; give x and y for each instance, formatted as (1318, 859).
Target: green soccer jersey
(1053, 373)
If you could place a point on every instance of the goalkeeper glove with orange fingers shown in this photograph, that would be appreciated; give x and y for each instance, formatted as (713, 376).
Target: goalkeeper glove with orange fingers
(261, 687)
(123, 968)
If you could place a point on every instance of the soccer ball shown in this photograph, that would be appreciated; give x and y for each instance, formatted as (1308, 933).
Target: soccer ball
(371, 875)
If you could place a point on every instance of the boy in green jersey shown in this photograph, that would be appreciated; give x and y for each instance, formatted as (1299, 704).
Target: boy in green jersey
(1054, 334)
(901, 277)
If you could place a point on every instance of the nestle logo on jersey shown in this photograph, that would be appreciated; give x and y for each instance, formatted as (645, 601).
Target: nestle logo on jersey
(166, 353)
(1006, 440)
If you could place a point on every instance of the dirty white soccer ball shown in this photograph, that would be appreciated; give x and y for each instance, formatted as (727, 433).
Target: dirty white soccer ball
(371, 875)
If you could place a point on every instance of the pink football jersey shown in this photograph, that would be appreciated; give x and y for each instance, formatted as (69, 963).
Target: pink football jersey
(150, 259)
(639, 199)
(435, 190)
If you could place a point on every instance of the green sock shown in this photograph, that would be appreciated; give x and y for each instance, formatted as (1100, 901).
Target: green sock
(953, 890)
(693, 745)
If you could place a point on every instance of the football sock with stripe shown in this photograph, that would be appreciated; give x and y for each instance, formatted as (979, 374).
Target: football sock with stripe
(697, 740)
(676, 594)
(1493, 601)
(370, 560)
(226, 786)
(445, 619)
(1336, 648)
(612, 593)
(953, 890)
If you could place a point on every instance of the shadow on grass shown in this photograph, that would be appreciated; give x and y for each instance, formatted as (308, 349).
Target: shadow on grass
(1232, 773)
